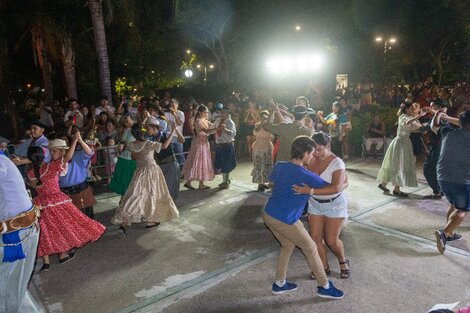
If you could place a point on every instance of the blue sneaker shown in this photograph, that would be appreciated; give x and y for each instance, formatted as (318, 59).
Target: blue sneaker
(330, 293)
(286, 288)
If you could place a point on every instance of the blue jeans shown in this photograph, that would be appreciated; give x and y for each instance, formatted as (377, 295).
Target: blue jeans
(14, 277)
(178, 148)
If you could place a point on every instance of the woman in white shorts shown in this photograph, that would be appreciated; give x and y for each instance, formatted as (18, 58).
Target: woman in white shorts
(327, 213)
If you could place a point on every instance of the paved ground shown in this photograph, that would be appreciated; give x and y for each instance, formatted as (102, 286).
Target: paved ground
(219, 257)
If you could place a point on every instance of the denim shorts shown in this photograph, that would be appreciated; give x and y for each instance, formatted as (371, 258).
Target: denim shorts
(457, 194)
(338, 208)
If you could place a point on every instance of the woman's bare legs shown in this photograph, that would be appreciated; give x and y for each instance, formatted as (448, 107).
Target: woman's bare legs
(332, 230)
(316, 230)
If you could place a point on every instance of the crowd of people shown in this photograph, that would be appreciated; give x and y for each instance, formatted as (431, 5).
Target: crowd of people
(150, 145)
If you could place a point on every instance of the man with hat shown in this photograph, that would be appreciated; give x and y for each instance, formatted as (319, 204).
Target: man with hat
(37, 140)
(19, 235)
(74, 183)
(225, 161)
(288, 132)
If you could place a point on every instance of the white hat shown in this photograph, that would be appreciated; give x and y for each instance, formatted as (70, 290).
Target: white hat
(153, 121)
(58, 143)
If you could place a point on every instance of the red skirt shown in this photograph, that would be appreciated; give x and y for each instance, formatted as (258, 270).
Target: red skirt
(63, 226)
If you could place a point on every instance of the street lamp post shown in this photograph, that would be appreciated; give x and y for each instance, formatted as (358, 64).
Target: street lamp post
(387, 43)
(204, 68)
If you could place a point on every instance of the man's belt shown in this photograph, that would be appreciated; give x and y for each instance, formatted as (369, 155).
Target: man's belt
(21, 221)
(75, 188)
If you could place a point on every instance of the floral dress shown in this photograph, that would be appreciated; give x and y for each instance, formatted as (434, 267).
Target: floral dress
(63, 226)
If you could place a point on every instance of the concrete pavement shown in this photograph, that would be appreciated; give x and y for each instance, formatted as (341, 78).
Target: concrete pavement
(219, 257)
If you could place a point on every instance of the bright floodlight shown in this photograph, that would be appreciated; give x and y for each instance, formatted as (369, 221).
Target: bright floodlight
(198, 66)
(393, 40)
(299, 64)
(378, 39)
(211, 66)
(188, 73)
(297, 28)
(188, 51)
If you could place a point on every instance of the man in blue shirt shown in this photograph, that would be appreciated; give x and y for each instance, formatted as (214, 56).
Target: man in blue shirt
(282, 213)
(74, 183)
(453, 175)
(37, 139)
(19, 235)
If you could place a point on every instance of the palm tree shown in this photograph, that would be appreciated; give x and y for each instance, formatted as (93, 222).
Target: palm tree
(41, 45)
(96, 11)
(68, 60)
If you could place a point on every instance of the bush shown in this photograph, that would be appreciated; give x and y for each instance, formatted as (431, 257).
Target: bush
(361, 119)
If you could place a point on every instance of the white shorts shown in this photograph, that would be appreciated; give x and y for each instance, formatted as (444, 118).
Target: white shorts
(338, 208)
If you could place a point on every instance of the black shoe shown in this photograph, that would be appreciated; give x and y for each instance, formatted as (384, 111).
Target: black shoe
(400, 194)
(223, 186)
(45, 267)
(123, 229)
(189, 186)
(152, 225)
(455, 236)
(440, 240)
(383, 188)
(67, 258)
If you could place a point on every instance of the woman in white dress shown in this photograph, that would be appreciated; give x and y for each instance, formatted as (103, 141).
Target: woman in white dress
(399, 163)
(147, 197)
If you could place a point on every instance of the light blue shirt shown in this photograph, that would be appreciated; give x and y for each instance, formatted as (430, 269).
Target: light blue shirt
(14, 198)
(77, 170)
(22, 149)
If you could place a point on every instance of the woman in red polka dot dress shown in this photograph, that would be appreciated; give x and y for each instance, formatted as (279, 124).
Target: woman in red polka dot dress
(63, 226)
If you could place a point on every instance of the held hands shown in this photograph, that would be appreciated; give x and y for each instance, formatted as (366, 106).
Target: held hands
(301, 190)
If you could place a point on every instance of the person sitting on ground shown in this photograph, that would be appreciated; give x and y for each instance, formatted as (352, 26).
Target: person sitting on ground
(375, 134)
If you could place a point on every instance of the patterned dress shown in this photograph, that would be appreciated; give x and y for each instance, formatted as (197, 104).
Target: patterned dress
(198, 165)
(63, 226)
(262, 156)
(399, 163)
(147, 197)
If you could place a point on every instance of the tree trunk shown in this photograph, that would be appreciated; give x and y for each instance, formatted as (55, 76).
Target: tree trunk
(96, 11)
(68, 59)
(40, 43)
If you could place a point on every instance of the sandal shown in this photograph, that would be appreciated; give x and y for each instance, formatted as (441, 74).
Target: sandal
(189, 186)
(67, 258)
(45, 267)
(152, 225)
(327, 272)
(383, 188)
(400, 194)
(345, 273)
(204, 187)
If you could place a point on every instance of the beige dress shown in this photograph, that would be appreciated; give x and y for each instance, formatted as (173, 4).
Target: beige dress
(147, 197)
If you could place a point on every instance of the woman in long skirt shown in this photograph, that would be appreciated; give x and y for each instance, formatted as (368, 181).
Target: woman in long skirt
(262, 151)
(147, 198)
(198, 165)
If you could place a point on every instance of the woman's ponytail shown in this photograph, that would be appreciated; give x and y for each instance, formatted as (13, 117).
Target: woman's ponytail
(36, 156)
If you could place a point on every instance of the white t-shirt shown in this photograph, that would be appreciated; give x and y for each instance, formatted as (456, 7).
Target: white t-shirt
(170, 117)
(327, 175)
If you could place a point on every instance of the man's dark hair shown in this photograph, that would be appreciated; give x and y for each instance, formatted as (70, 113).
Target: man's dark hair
(464, 119)
(103, 97)
(300, 145)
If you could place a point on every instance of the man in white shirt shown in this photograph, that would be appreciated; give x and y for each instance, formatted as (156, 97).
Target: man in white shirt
(73, 115)
(225, 161)
(104, 106)
(172, 113)
(19, 235)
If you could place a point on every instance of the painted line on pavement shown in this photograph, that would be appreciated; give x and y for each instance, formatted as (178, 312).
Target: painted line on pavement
(380, 204)
(410, 238)
(205, 279)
